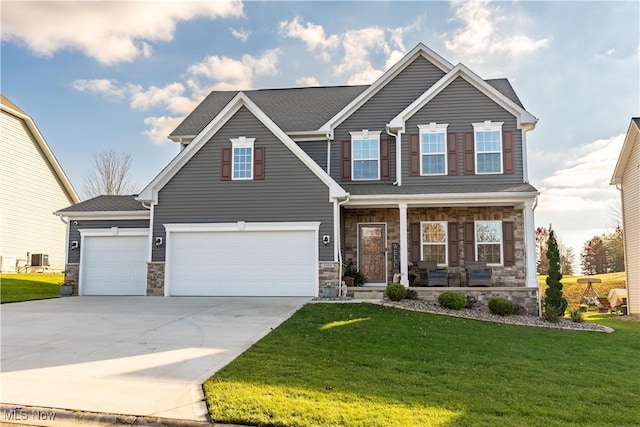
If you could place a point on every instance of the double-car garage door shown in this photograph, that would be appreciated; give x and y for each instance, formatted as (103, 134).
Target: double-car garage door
(252, 259)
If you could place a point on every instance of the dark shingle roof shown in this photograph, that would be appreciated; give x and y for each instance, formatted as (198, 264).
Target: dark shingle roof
(504, 87)
(290, 109)
(295, 109)
(637, 120)
(367, 189)
(107, 204)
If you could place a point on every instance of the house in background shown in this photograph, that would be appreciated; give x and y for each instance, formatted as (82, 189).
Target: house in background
(276, 191)
(626, 177)
(33, 186)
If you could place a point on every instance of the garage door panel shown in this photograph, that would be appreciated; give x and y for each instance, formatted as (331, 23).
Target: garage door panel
(114, 265)
(243, 263)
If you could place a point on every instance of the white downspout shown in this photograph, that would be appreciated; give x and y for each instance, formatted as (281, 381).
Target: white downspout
(525, 167)
(337, 248)
(398, 137)
(66, 242)
(328, 155)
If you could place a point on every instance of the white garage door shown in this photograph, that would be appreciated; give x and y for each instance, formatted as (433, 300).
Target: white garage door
(113, 264)
(273, 260)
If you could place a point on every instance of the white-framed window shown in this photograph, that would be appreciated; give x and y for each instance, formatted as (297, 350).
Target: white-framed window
(365, 155)
(488, 147)
(489, 242)
(433, 149)
(433, 235)
(242, 158)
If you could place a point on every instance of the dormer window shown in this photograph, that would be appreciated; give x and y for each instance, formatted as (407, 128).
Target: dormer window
(365, 155)
(433, 149)
(488, 147)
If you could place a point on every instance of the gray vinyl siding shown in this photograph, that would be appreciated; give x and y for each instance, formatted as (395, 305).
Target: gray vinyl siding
(460, 104)
(289, 192)
(317, 150)
(73, 257)
(416, 78)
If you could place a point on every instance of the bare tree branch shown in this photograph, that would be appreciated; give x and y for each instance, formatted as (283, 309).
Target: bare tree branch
(109, 175)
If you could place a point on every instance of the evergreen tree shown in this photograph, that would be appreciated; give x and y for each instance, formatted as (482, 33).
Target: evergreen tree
(554, 302)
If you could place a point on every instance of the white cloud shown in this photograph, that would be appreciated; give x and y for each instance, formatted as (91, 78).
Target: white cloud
(355, 48)
(109, 32)
(577, 197)
(160, 127)
(242, 35)
(233, 74)
(313, 35)
(483, 33)
(109, 88)
(308, 81)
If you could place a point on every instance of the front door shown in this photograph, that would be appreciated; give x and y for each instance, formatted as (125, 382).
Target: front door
(372, 260)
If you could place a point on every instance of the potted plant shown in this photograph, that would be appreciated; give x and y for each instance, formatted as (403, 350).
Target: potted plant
(353, 277)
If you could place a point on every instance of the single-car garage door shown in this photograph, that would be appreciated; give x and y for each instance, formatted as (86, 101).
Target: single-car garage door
(113, 262)
(252, 259)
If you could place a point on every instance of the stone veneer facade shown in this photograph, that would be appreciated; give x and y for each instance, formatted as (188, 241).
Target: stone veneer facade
(502, 276)
(329, 276)
(155, 279)
(71, 277)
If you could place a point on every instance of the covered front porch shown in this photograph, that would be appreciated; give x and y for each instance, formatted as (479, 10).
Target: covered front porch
(387, 241)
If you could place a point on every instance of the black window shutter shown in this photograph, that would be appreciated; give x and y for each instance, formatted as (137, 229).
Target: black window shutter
(452, 153)
(414, 241)
(507, 151)
(469, 241)
(469, 154)
(384, 159)
(414, 154)
(346, 160)
(508, 244)
(452, 235)
(258, 163)
(226, 164)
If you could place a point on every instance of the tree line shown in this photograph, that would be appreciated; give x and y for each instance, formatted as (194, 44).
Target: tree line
(600, 254)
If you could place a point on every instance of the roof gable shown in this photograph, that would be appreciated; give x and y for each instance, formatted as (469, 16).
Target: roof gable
(630, 140)
(150, 192)
(382, 81)
(524, 118)
(9, 107)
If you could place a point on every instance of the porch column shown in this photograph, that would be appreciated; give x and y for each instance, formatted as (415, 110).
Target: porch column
(404, 249)
(530, 245)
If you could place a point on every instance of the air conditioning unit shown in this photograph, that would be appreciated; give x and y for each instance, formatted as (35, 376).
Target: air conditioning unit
(40, 260)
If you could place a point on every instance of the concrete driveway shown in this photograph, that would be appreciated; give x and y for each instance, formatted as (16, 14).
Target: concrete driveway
(128, 355)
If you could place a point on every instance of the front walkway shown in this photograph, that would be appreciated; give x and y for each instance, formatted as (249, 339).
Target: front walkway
(128, 355)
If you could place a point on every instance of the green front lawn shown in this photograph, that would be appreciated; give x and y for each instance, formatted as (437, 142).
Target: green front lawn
(26, 287)
(366, 365)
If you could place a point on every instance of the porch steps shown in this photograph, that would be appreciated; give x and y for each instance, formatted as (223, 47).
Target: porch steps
(366, 292)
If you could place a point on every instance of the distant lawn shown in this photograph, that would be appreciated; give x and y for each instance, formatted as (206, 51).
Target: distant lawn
(26, 287)
(573, 290)
(366, 365)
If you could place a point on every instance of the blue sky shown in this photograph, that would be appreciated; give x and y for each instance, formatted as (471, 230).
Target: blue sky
(121, 75)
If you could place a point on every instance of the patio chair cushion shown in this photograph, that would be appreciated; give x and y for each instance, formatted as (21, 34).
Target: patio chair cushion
(438, 274)
(479, 275)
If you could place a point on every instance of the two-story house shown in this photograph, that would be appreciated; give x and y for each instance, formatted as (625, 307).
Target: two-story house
(275, 191)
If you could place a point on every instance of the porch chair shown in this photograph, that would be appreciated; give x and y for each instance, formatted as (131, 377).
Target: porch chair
(434, 275)
(477, 273)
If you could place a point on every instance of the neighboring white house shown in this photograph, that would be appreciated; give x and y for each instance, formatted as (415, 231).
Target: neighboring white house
(626, 177)
(32, 187)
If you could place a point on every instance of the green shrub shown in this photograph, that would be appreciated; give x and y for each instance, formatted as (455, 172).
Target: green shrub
(453, 300)
(396, 292)
(411, 294)
(551, 314)
(576, 316)
(501, 306)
